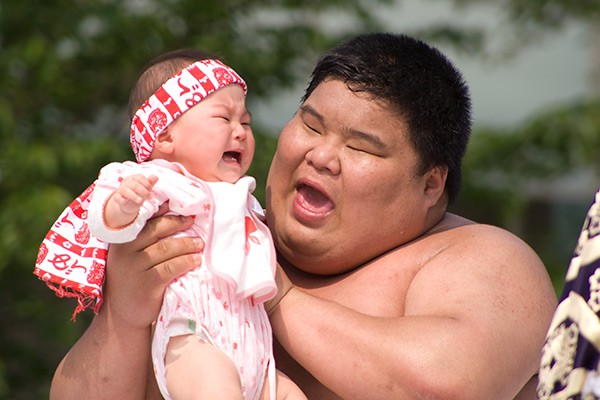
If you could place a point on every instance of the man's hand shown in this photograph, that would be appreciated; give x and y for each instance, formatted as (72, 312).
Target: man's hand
(139, 271)
(284, 285)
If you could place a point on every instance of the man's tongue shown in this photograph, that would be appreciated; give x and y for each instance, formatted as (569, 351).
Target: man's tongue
(313, 200)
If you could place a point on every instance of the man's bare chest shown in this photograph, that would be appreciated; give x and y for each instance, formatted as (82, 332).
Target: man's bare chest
(378, 288)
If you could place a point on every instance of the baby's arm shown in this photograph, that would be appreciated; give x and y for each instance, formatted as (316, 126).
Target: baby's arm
(122, 207)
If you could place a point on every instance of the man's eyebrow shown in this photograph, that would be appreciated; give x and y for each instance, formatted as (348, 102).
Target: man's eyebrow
(366, 136)
(305, 108)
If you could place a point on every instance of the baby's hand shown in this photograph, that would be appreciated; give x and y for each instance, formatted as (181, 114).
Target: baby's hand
(125, 203)
(133, 191)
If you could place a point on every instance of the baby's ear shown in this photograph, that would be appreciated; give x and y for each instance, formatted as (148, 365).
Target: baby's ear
(164, 142)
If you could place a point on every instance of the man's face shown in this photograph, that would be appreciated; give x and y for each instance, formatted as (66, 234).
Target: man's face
(343, 186)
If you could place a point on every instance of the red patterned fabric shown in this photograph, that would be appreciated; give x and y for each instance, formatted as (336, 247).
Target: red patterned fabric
(70, 260)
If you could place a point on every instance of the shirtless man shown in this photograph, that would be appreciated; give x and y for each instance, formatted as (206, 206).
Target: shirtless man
(391, 297)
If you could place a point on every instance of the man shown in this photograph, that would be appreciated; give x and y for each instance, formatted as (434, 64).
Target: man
(392, 297)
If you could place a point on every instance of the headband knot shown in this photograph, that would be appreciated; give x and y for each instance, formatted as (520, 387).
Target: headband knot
(177, 95)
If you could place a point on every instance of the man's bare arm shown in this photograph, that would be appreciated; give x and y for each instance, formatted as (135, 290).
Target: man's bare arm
(106, 362)
(473, 324)
(111, 359)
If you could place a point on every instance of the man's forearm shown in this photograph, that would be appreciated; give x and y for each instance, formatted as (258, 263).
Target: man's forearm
(107, 362)
(358, 356)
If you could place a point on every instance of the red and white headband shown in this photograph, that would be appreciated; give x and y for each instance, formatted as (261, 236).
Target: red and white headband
(177, 95)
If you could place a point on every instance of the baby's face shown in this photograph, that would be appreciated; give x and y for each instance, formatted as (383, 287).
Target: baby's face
(213, 139)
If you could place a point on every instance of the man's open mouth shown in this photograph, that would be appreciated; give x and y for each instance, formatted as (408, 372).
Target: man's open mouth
(313, 200)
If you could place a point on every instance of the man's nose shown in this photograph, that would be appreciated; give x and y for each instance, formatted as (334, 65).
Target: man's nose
(325, 156)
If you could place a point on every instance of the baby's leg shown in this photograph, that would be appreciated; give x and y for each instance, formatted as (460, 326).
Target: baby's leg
(198, 370)
(286, 389)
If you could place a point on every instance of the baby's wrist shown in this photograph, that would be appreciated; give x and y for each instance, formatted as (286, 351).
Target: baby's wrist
(115, 217)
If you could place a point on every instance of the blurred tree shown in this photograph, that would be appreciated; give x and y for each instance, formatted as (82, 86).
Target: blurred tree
(529, 20)
(502, 164)
(542, 14)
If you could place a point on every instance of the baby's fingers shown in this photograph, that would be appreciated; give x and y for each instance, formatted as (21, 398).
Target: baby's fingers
(137, 188)
(126, 196)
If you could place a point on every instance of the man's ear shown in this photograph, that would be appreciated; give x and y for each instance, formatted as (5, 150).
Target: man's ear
(435, 183)
(164, 142)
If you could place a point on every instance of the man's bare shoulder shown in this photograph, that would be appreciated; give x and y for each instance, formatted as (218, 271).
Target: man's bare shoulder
(458, 245)
(478, 273)
(485, 258)
(461, 242)
(495, 286)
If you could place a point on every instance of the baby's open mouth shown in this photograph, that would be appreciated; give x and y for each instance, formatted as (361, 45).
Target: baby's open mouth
(233, 156)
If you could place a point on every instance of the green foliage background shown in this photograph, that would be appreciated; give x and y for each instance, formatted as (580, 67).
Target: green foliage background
(66, 68)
